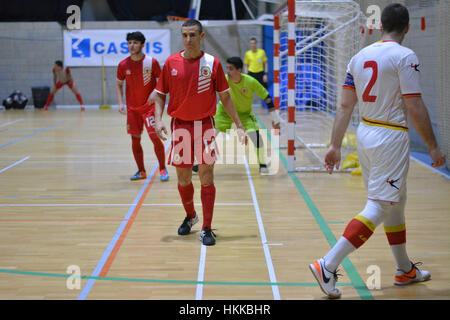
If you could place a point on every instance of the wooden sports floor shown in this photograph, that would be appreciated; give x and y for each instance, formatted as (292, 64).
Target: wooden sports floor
(68, 208)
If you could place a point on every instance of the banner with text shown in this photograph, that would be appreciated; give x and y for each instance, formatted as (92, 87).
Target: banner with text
(85, 48)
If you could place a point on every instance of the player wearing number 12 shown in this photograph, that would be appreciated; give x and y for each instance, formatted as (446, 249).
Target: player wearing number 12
(384, 79)
(140, 72)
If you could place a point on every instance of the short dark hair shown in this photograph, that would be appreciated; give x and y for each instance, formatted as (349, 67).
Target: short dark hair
(193, 22)
(253, 39)
(395, 18)
(59, 63)
(236, 62)
(137, 36)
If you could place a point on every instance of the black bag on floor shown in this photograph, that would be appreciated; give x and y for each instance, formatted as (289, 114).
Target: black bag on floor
(16, 100)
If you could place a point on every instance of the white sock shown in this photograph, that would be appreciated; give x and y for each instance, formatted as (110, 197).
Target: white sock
(401, 257)
(334, 257)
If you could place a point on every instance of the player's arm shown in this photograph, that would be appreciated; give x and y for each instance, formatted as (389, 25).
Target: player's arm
(156, 72)
(266, 69)
(160, 101)
(264, 94)
(341, 122)
(69, 75)
(152, 97)
(246, 63)
(54, 77)
(229, 107)
(119, 94)
(274, 114)
(420, 119)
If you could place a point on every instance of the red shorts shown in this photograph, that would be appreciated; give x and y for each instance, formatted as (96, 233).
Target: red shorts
(192, 138)
(59, 85)
(137, 118)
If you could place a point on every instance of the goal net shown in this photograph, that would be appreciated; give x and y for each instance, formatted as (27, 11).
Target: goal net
(327, 35)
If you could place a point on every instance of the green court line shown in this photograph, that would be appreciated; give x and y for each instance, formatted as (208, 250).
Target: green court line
(224, 283)
(354, 276)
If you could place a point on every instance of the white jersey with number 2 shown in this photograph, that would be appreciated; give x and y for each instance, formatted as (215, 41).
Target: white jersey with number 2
(382, 74)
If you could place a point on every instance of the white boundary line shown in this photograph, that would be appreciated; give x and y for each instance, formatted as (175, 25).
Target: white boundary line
(273, 278)
(446, 176)
(14, 164)
(109, 204)
(11, 122)
(201, 273)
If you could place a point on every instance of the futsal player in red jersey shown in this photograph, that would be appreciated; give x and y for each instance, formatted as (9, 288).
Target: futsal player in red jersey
(192, 78)
(62, 77)
(140, 72)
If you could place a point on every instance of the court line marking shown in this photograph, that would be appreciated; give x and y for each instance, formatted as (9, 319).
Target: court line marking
(355, 278)
(132, 212)
(15, 164)
(32, 134)
(11, 122)
(201, 273)
(269, 264)
(109, 204)
(146, 280)
(426, 165)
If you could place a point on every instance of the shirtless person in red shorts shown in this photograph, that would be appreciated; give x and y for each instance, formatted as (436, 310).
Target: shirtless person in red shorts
(62, 77)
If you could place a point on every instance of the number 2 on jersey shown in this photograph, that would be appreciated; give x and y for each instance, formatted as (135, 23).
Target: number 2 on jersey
(366, 97)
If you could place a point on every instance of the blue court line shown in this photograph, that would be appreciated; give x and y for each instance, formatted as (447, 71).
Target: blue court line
(90, 283)
(353, 274)
(425, 160)
(32, 134)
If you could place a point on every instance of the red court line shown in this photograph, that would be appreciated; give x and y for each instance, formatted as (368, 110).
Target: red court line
(119, 242)
(59, 220)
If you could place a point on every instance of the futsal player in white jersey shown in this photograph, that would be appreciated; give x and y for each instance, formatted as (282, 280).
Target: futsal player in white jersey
(384, 79)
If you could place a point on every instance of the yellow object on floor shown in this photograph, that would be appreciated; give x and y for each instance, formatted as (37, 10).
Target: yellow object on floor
(351, 161)
(356, 172)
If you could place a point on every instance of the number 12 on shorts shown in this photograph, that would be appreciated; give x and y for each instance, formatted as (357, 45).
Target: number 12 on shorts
(366, 95)
(150, 121)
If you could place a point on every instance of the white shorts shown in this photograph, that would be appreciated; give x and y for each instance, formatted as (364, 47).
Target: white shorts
(384, 158)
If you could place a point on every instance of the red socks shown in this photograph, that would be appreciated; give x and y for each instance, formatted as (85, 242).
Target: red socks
(359, 230)
(159, 150)
(187, 198)
(208, 196)
(395, 234)
(78, 96)
(49, 99)
(138, 152)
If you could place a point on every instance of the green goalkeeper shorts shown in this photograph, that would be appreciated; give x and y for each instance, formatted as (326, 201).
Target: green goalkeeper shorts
(223, 121)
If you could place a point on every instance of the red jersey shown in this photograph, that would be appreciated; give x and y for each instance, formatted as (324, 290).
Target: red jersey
(192, 85)
(140, 79)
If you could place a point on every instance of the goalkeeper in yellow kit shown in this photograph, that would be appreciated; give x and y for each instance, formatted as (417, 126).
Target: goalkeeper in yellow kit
(243, 87)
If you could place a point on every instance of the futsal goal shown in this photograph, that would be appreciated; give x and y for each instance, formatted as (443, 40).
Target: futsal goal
(313, 43)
